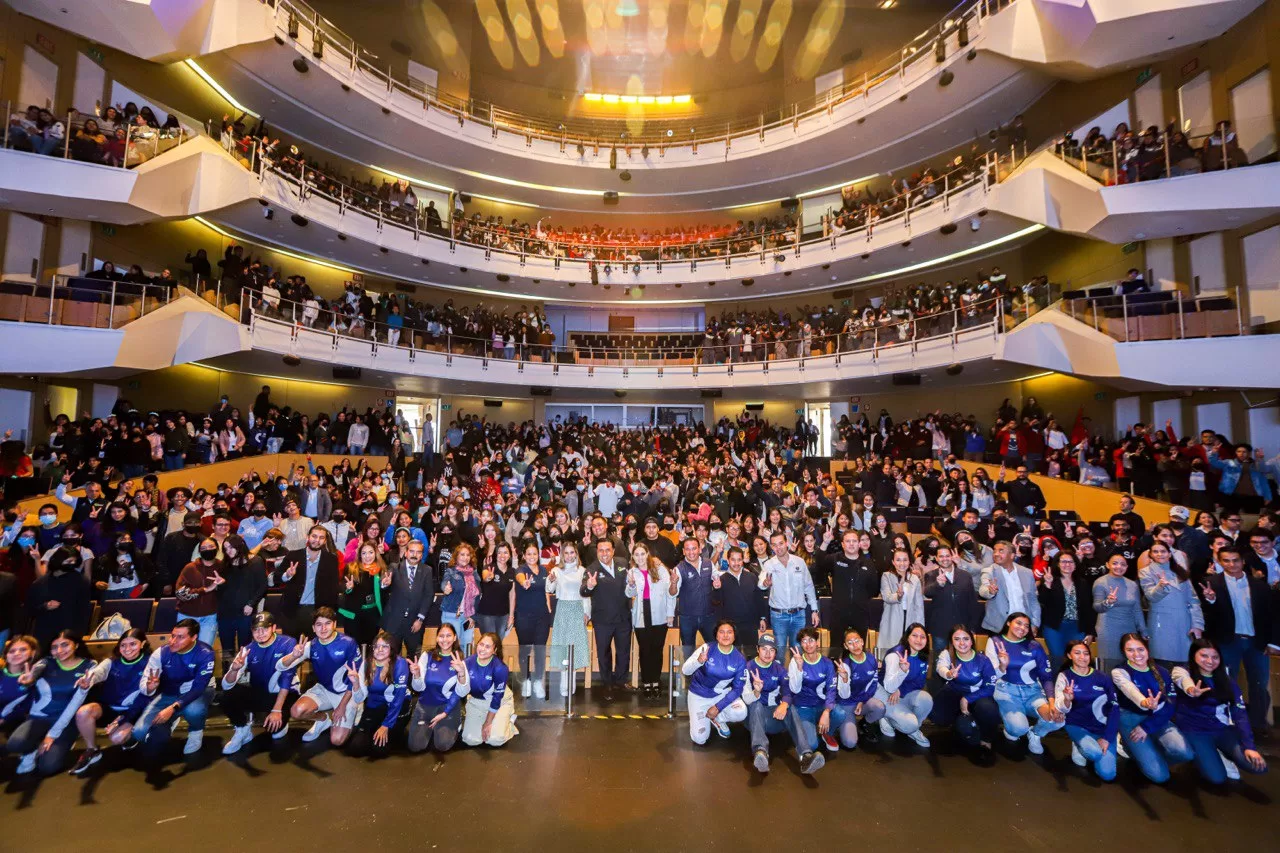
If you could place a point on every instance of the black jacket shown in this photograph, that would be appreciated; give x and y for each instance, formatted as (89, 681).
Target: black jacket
(405, 602)
(854, 582)
(327, 581)
(1220, 614)
(246, 586)
(740, 600)
(1053, 603)
(950, 604)
(72, 592)
(609, 602)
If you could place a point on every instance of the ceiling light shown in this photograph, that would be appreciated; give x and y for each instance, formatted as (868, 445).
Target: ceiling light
(887, 4)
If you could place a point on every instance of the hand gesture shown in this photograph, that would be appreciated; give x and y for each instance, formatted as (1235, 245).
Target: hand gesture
(1112, 594)
(1196, 690)
(796, 657)
(350, 582)
(1047, 579)
(1069, 691)
(768, 580)
(715, 579)
(953, 670)
(941, 578)
(1209, 595)
(904, 661)
(353, 673)
(1151, 701)
(591, 580)
(415, 671)
(93, 513)
(291, 571)
(703, 651)
(843, 669)
(1002, 654)
(447, 589)
(216, 581)
(757, 684)
(153, 680)
(242, 657)
(458, 664)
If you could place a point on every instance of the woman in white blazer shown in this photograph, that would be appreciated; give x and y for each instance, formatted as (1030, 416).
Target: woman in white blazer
(653, 591)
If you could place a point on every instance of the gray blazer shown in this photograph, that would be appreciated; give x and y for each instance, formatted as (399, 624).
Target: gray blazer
(324, 504)
(999, 601)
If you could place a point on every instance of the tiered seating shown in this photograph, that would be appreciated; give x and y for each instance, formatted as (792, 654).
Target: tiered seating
(1152, 316)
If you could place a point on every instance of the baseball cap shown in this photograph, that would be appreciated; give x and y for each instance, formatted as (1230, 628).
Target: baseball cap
(1179, 513)
(264, 620)
(767, 640)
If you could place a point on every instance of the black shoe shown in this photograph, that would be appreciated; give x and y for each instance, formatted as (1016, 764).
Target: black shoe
(131, 743)
(87, 759)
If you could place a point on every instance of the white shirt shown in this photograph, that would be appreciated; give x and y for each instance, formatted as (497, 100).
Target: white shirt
(1011, 584)
(792, 584)
(1241, 603)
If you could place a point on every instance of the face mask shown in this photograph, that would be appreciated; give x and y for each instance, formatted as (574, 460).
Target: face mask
(48, 520)
(259, 512)
(1050, 552)
(208, 553)
(26, 541)
(124, 546)
(339, 517)
(192, 530)
(393, 501)
(283, 487)
(580, 487)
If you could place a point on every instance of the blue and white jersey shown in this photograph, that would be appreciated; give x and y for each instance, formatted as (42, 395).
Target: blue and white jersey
(15, 698)
(1028, 662)
(56, 696)
(976, 678)
(329, 661)
(386, 691)
(862, 682)
(721, 678)
(1132, 685)
(893, 679)
(184, 675)
(438, 686)
(1208, 714)
(774, 687)
(1093, 704)
(487, 682)
(812, 684)
(262, 669)
(119, 684)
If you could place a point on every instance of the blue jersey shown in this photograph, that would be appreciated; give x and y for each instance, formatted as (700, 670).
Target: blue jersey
(862, 682)
(913, 679)
(813, 684)
(56, 696)
(1028, 662)
(976, 678)
(1132, 684)
(487, 682)
(183, 676)
(387, 692)
(722, 677)
(119, 685)
(262, 666)
(1093, 704)
(438, 687)
(329, 661)
(15, 698)
(1208, 714)
(774, 687)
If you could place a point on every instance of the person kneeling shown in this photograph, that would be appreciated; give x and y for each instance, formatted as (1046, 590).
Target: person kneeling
(966, 700)
(253, 683)
(437, 679)
(335, 660)
(382, 688)
(490, 707)
(716, 679)
(855, 693)
(176, 675)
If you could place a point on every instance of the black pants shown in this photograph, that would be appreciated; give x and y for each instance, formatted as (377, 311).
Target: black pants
(442, 736)
(412, 642)
(245, 699)
(613, 652)
(361, 741)
(982, 723)
(28, 736)
(650, 641)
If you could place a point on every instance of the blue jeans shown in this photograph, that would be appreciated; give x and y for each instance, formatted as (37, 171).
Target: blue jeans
(1104, 763)
(274, 444)
(805, 723)
(153, 737)
(1205, 747)
(845, 723)
(1057, 638)
(1257, 669)
(208, 626)
(464, 634)
(1019, 705)
(761, 724)
(691, 626)
(1154, 760)
(785, 627)
(173, 461)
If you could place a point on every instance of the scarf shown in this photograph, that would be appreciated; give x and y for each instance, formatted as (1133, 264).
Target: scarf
(471, 591)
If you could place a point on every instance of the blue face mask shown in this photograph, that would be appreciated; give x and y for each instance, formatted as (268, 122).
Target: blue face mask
(284, 487)
(48, 520)
(393, 501)
(26, 541)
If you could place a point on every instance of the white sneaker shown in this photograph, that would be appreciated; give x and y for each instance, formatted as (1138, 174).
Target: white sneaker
(919, 738)
(1077, 757)
(1120, 750)
(564, 683)
(283, 731)
(27, 764)
(886, 729)
(239, 738)
(195, 740)
(1034, 746)
(318, 728)
(526, 689)
(539, 691)
(1233, 772)
(1010, 737)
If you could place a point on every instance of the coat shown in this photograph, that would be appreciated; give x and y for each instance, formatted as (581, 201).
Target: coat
(610, 604)
(1121, 617)
(952, 603)
(662, 604)
(1173, 610)
(406, 603)
(999, 602)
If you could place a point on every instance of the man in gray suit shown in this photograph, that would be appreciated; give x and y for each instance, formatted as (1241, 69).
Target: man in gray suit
(409, 598)
(314, 501)
(1008, 588)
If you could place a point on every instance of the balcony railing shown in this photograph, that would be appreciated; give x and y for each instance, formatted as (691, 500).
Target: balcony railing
(1152, 157)
(139, 144)
(339, 51)
(85, 302)
(1163, 315)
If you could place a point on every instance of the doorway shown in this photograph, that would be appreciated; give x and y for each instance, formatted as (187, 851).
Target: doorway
(415, 411)
(819, 414)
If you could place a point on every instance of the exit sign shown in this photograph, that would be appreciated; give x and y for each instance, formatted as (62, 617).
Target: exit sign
(94, 54)
(1144, 75)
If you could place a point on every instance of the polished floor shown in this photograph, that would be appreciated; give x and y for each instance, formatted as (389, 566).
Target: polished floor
(627, 784)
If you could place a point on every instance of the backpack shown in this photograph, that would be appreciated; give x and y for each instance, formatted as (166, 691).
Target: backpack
(113, 627)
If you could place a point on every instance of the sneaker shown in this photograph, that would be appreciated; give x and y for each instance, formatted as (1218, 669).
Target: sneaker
(886, 729)
(811, 762)
(87, 759)
(539, 691)
(131, 743)
(1233, 772)
(564, 684)
(282, 732)
(722, 729)
(832, 744)
(27, 764)
(239, 738)
(526, 689)
(318, 728)
(1034, 746)
(1077, 757)
(761, 761)
(1120, 750)
(195, 740)
(919, 738)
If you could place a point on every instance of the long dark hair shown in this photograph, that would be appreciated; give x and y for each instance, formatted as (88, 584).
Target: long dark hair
(1066, 658)
(906, 635)
(370, 664)
(136, 633)
(81, 650)
(1151, 665)
(1220, 678)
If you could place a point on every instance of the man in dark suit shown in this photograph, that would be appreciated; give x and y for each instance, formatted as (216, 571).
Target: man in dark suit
(306, 579)
(950, 599)
(605, 583)
(854, 583)
(1239, 618)
(408, 599)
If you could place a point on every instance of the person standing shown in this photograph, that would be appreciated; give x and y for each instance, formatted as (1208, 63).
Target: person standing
(1174, 616)
(572, 615)
(606, 585)
(1240, 621)
(197, 590)
(308, 580)
(409, 595)
(737, 598)
(950, 599)
(1008, 588)
(653, 591)
(532, 621)
(791, 591)
(854, 583)
(695, 586)
(1118, 603)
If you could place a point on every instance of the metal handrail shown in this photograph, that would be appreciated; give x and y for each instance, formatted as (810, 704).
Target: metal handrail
(1138, 325)
(141, 142)
(1114, 165)
(293, 16)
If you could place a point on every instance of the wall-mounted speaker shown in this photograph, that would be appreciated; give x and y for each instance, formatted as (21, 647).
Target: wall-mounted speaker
(906, 379)
(949, 228)
(493, 404)
(291, 360)
(755, 407)
(341, 371)
(955, 369)
(945, 78)
(540, 391)
(610, 197)
(712, 393)
(790, 204)
(299, 220)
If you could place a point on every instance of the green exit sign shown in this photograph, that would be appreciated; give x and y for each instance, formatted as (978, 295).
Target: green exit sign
(444, 407)
(94, 54)
(1144, 75)
(108, 231)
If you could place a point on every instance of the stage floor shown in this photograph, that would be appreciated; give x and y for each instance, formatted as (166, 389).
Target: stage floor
(619, 785)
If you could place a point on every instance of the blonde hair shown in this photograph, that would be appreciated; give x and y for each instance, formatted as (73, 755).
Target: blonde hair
(652, 562)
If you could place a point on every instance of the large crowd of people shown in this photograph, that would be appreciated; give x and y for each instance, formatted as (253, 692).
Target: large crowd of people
(730, 533)
(1128, 157)
(121, 136)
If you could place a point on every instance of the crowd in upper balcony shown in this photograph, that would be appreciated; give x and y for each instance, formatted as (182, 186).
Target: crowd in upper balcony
(121, 136)
(1128, 157)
